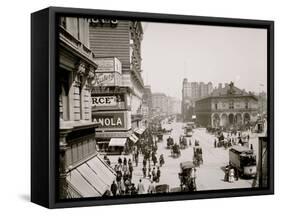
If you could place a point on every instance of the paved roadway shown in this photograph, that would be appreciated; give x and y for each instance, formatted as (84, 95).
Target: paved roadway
(209, 175)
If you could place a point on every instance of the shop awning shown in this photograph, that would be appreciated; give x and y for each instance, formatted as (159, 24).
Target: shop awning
(117, 142)
(134, 138)
(92, 178)
(140, 130)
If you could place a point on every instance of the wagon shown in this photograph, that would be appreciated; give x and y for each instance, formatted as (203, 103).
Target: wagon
(175, 151)
(187, 183)
(162, 188)
(197, 156)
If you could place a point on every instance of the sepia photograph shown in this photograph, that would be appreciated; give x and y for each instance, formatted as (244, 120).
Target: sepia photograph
(151, 107)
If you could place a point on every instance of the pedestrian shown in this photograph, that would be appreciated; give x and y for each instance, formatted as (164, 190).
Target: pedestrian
(251, 147)
(125, 168)
(231, 175)
(137, 159)
(125, 161)
(158, 174)
(144, 172)
(121, 187)
(130, 162)
(119, 161)
(161, 160)
(151, 187)
(133, 189)
(153, 174)
(240, 142)
(226, 173)
(127, 184)
(154, 158)
(215, 143)
(190, 142)
(144, 162)
(118, 176)
(140, 187)
(193, 175)
(149, 173)
(131, 169)
(113, 188)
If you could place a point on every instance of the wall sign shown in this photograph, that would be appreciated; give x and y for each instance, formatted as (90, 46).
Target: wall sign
(109, 120)
(104, 101)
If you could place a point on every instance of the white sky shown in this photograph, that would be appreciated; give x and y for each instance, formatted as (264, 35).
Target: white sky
(172, 52)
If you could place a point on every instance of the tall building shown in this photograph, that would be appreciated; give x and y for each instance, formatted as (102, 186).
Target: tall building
(79, 158)
(227, 106)
(192, 91)
(117, 46)
(160, 103)
(176, 106)
(147, 102)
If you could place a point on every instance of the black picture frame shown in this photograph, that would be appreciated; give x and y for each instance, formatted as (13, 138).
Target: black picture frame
(44, 105)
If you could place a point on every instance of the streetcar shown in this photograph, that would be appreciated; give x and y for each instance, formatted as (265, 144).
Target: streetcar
(243, 160)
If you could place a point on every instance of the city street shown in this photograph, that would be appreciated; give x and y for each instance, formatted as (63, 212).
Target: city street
(210, 175)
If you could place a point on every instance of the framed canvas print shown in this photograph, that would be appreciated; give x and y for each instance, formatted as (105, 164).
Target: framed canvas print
(139, 107)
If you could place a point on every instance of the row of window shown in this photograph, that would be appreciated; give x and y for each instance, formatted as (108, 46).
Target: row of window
(231, 105)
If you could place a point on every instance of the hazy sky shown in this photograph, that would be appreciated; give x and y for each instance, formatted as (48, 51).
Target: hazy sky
(172, 52)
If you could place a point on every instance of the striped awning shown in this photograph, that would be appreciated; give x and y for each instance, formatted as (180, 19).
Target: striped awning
(133, 138)
(140, 130)
(117, 142)
(92, 178)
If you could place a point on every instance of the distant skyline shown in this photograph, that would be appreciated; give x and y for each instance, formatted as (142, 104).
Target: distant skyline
(172, 52)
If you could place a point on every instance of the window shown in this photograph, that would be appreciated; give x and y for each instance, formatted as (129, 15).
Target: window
(216, 106)
(63, 95)
(247, 105)
(231, 105)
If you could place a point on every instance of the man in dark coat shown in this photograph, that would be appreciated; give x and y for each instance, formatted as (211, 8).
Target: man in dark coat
(113, 188)
(119, 161)
(158, 174)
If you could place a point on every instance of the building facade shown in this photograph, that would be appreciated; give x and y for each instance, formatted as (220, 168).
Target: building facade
(227, 106)
(160, 103)
(78, 153)
(120, 41)
(192, 91)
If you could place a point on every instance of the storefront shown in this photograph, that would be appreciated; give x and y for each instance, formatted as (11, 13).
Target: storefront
(113, 135)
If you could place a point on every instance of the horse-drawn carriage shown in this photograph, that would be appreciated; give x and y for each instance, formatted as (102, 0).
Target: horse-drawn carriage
(159, 136)
(175, 150)
(170, 142)
(197, 156)
(162, 188)
(187, 176)
(183, 142)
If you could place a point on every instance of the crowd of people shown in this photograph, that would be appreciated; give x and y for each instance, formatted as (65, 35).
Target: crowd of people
(232, 138)
(124, 168)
